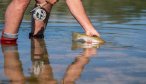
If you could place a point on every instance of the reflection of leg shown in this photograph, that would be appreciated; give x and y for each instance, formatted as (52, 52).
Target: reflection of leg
(75, 69)
(41, 67)
(39, 55)
(38, 47)
(39, 26)
(46, 76)
(79, 13)
(13, 17)
(12, 64)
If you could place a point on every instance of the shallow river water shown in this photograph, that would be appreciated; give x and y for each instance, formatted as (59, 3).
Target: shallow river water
(55, 60)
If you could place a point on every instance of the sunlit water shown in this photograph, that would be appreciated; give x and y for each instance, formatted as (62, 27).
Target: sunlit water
(122, 60)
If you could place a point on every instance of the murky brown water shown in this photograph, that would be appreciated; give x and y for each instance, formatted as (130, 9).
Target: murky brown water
(51, 60)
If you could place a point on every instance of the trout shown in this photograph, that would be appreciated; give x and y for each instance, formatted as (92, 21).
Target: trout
(83, 38)
(78, 45)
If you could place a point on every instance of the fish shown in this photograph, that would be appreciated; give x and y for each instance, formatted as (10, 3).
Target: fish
(78, 45)
(83, 38)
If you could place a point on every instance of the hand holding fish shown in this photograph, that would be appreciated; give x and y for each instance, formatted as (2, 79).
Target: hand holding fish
(92, 32)
(83, 38)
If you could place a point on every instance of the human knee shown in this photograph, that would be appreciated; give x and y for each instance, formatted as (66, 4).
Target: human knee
(21, 4)
(49, 1)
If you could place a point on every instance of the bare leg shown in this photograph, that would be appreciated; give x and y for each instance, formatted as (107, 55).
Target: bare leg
(14, 15)
(13, 18)
(39, 26)
(77, 10)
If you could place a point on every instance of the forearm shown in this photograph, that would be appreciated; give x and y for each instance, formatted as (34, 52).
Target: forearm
(78, 11)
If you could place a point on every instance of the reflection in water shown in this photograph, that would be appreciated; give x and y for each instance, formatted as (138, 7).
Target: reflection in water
(76, 45)
(74, 70)
(121, 23)
(123, 57)
(12, 65)
(41, 69)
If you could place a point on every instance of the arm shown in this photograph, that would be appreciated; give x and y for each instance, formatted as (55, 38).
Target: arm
(78, 11)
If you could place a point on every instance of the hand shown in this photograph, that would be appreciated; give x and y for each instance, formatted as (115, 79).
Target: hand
(92, 32)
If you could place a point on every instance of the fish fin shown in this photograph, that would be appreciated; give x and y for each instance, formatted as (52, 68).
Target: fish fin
(75, 35)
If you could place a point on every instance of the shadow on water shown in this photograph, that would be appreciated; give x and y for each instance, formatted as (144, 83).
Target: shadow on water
(120, 61)
(41, 71)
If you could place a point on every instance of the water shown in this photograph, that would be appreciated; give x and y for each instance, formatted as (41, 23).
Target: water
(121, 60)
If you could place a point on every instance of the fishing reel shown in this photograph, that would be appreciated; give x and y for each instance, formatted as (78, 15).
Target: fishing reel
(39, 14)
